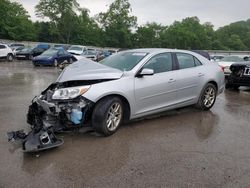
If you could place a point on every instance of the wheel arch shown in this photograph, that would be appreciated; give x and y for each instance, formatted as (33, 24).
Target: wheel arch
(127, 107)
(10, 53)
(214, 83)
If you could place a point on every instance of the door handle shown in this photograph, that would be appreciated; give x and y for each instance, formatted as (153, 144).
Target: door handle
(171, 80)
(200, 75)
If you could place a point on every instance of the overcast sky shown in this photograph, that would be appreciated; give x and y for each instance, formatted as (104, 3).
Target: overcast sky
(218, 12)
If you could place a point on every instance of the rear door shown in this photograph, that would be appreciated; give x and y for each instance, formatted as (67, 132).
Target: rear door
(157, 91)
(190, 77)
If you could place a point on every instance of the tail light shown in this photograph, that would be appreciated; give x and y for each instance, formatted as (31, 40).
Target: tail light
(222, 68)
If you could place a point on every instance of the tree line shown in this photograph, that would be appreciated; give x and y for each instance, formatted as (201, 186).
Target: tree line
(67, 22)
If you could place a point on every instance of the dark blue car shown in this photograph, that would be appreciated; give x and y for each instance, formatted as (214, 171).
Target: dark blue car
(53, 57)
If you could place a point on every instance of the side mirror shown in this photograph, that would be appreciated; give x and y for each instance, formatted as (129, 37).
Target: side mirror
(146, 72)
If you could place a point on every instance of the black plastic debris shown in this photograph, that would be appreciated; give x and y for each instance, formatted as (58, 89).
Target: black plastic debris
(35, 141)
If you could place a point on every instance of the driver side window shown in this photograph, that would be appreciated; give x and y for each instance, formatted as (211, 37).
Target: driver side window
(160, 63)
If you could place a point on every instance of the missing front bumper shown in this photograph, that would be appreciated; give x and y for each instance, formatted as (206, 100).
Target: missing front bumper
(35, 141)
(47, 118)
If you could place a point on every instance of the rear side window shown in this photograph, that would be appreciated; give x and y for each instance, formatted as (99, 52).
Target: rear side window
(187, 61)
(197, 62)
(160, 63)
(2, 47)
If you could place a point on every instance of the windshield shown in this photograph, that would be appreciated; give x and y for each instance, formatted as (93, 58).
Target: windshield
(26, 50)
(124, 61)
(76, 48)
(232, 59)
(49, 52)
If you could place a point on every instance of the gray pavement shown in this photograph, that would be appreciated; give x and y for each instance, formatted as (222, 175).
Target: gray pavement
(180, 148)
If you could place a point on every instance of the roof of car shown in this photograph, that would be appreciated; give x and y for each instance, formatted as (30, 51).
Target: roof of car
(158, 50)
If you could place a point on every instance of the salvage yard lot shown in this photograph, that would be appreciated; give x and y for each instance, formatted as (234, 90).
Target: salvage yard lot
(181, 148)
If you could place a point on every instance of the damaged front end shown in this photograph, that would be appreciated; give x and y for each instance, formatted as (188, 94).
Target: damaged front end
(62, 107)
(52, 112)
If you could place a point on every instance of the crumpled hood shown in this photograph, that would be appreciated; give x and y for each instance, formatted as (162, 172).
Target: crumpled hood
(86, 69)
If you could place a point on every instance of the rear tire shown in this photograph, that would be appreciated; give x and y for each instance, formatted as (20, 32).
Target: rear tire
(10, 57)
(207, 97)
(107, 115)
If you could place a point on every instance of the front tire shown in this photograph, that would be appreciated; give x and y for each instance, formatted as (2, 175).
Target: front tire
(207, 97)
(10, 57)
(107, 115)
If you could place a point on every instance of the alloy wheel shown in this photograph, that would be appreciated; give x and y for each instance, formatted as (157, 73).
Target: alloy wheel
(114, 116)
(209, 97)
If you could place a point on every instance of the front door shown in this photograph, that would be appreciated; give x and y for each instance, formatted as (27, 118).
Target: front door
(157, 91)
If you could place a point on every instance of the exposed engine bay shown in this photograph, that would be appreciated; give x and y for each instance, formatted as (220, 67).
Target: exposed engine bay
(48, 116)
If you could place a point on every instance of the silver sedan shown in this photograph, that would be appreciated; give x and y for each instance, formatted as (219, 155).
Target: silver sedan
(137, 83)
(124, 86)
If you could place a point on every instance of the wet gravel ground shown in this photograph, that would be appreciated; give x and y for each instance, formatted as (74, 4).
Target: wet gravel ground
(182, 148)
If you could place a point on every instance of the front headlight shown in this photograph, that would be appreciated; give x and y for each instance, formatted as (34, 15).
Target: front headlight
(70, 93)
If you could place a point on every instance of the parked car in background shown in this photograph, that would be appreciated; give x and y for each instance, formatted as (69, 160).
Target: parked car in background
(95, 55)
(25, 53)
(216, 57)
(106, 53)
(227, 61)
(240, 75)
(113, 51)
(53, 57)
(64, 46)
(17, 49)
(44, 46)
(16, 45)
(28, 53)
(6, 52)
(77, 49)
(203, 53)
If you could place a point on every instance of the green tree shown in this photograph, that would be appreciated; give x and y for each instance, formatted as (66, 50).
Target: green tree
(44, 32)
(14, 22)
(235, 36)
(235, 43)
(187, 34)
(62, 15)
(87, 31)
(148, 36)
(118, 24)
